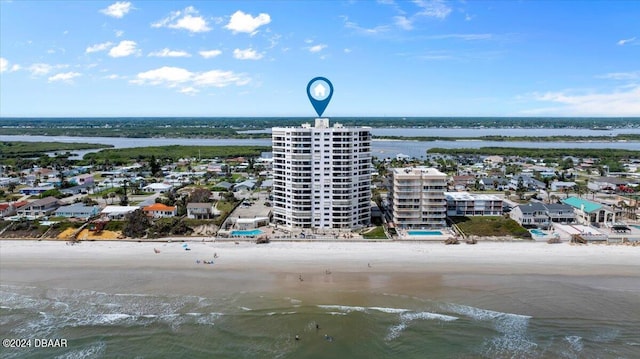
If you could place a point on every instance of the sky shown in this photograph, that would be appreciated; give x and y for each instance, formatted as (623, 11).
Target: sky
(255, 58)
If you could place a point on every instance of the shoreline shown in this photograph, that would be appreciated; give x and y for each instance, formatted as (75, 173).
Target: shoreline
(330, 272)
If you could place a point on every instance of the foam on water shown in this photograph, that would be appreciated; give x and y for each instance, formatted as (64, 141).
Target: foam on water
(407, 317)
(512, 340)
(96, 350)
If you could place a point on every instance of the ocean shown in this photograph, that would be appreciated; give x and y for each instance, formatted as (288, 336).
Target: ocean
(453, 316)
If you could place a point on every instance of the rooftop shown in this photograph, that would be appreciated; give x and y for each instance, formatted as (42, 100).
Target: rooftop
(579, 202)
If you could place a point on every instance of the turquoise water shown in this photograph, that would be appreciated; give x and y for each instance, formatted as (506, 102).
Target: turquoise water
(538, 232)
(247, 233)
(424, 233)
(635, 226)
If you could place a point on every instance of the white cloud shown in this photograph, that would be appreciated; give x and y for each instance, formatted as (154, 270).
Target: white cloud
(241, 22)
(347, 51)
(190, 82)
(99, 47)
(219, 78)
(248, 54)
(118, 9)
(633, 75)
(65, 76)
(403, 23)
(119, 33)
(622, 102)
(626, 41)
(124, 48)
(466, 37)
(363, 30)
(187, 19)
(189, 91)
(433, 8)
(207, 54)
(15, 67)
(4, 64)
(169, 53)
(41, 69)
(317, 48)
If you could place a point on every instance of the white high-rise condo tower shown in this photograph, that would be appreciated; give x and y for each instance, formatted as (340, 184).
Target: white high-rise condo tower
(321, 176)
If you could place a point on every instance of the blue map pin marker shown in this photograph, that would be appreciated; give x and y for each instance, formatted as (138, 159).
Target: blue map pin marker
(319, 91)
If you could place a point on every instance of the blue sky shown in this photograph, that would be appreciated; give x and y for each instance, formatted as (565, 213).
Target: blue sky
(384, 58)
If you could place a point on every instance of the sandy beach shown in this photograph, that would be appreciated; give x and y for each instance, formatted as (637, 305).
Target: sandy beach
(492, 299)
(314, 265)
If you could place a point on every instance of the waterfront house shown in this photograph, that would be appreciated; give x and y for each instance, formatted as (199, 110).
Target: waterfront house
(118, 212)
(77, 210)
(159, 210)
(200, 210)
(471, 204)
(39, 208)
(588, 212)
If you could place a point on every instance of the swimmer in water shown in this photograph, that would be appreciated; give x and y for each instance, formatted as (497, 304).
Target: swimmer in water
(328, 338)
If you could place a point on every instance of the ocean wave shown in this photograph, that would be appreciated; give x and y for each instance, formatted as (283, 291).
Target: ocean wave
(96, 350)
(512, 340)
(408, 317)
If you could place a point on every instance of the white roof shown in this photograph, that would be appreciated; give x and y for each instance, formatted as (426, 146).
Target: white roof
(158, 186)
(466, 196)
(119, 209)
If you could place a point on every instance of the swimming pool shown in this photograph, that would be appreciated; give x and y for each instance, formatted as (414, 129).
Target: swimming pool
(424, 233)
(538, 232)
(635, 226)
(247, 233)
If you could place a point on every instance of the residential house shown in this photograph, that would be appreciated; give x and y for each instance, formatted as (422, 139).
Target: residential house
(607, 184)
(561, 186)
(77, 210)
(493, 160)
(469, 204)
(83, 188)
(529, 183)
(200, 210)
(82, 179)
(39, 208)
(588, 212)
(36, 190)
(494, 183)
(461, 183)
(542, 215)
(224, 184)
(118, 212)
(7, 209)
(157, 187)
(159, 210)
(247, 185)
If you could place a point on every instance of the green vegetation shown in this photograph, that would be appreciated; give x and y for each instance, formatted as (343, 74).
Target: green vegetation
(619, 137)
(556, 153)
(491, 227)
(15, 149)
(172, 153)
(376, 233)
(234, 127)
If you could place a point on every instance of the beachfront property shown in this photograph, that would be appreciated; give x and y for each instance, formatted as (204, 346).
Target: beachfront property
(118, 212)
(39, 208)
(200, 210)
(588, 212)
(77, 210)
(542, 215)
(160, 210)
(472, 204)
(417, 198)
(321, 176)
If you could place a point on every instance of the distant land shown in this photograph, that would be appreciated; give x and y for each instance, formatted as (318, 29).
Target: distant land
(235, 127)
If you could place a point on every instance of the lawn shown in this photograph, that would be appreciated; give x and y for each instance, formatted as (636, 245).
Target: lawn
(494, 226)
(376, 233)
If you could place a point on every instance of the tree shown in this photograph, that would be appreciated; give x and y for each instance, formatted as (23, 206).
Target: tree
(136, 224)
(200, 195)
(154, 165)
(520, 190)
(11, 187)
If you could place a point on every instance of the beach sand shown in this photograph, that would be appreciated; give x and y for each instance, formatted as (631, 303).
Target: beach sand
(315, 267)
(513, 299)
